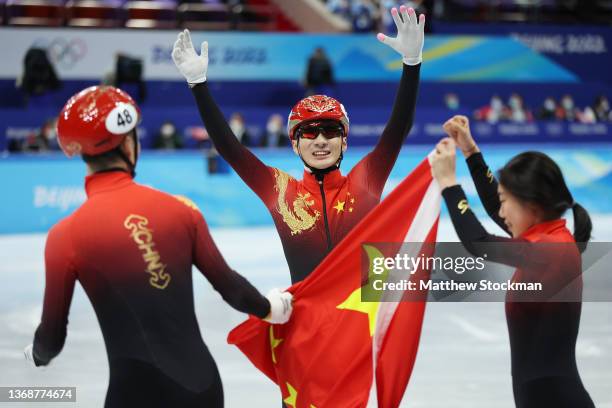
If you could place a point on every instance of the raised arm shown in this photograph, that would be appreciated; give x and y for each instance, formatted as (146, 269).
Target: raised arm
(194, 67)
(458, 128)
(509, 251)
(409, 44)
(60, 278)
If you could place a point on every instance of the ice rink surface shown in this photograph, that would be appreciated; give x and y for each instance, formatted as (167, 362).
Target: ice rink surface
(463, 360)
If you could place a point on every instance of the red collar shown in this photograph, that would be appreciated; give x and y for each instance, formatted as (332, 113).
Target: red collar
(112, 180)
(548, 229)
(333, 179)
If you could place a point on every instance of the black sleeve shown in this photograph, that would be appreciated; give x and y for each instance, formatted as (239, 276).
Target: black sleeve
(233, 287)
(378, 163)
(250, 169)
(486, 186)
(477, 241)
(60, 279)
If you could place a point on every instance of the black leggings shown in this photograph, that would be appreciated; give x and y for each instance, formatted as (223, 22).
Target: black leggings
(134, 383)
(557, 392)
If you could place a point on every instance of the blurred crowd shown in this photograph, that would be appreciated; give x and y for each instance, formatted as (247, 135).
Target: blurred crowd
(168, 137)
(563, 109)
(375, 15)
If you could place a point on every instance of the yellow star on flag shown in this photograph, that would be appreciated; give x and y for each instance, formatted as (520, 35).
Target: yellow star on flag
(339, 206)
(353, 302)
(274, 343)
(291, 400)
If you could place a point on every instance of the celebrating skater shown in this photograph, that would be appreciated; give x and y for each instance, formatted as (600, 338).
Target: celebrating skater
(313, 214)
(132, 249)
(527, 203)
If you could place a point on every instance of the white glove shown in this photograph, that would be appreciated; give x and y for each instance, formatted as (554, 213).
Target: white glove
(410, 35)
(281, 306)
(191, 65)
(29, 354)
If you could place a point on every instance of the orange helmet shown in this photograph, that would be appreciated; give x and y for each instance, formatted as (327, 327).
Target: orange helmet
(96, 120)
(316, 107)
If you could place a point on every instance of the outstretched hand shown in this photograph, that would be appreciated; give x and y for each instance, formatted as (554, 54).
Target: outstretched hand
(442, 161)
(410, 35)
(191, 65)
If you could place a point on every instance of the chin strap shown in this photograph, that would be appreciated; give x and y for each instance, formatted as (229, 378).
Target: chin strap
(319, 173)
(131, 166)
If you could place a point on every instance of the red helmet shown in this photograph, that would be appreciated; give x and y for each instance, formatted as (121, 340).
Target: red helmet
(316, 107)
(96, 120)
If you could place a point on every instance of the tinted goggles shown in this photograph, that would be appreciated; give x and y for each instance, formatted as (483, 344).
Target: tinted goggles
(312, 130)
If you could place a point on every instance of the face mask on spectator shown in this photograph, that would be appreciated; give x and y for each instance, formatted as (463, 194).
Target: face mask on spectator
(274, 127)
(549, 105)
(496, 104)
(237, 126)
(452, 102)
(167, 130)
(515, 103)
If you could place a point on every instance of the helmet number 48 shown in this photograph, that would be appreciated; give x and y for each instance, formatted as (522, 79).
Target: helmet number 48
(122, 119)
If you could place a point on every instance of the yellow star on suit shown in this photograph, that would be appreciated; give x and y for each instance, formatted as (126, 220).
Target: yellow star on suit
(339, 207)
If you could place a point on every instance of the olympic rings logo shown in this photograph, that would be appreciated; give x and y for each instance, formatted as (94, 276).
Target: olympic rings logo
(65, 52)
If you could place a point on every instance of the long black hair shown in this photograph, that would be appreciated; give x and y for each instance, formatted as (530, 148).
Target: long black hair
(535, 178)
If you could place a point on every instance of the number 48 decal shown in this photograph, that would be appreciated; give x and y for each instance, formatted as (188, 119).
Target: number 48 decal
(122, 119)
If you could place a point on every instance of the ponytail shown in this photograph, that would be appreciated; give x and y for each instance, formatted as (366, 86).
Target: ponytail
(534, 177)
(582, 226)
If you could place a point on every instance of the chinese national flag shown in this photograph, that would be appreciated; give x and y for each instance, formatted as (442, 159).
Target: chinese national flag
(337, 351)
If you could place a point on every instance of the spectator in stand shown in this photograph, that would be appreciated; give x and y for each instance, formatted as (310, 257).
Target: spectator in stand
(601, 108)
(421, 8)
(588, 115)
(567, 110)
(386, 21)
(43, 140)
(319, 74)
(35, 142)
(239, 128)
(364, 16)
(275, 135)
(517, 112)
(451, 100)
(494, 112)
(167, 138)
(50, 131)
(341, 8)
(548, 111)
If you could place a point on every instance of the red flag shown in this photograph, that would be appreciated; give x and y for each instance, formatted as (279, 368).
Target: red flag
(335, 343)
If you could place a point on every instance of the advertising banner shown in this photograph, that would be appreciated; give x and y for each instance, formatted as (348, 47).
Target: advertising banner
(90, 54)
